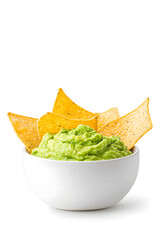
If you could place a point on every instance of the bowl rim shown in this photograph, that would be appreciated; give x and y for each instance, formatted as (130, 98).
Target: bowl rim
(135, 150)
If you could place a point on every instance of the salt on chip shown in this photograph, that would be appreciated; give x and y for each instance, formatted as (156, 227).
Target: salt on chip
(131, 127)
(65, 106)
(52, 122)
(107, 117)
(26, 130)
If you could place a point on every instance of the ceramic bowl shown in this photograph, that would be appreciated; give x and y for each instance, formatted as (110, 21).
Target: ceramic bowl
(81, 185)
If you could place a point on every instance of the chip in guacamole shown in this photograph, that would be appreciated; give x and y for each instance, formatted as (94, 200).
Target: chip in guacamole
(69, 120)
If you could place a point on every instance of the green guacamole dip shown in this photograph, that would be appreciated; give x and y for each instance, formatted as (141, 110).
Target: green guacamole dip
(81, 143)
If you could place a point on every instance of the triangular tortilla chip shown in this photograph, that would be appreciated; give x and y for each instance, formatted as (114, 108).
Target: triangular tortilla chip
(107, 117)
(52, 122)
(66, 107)
(131, 127)
(26, 130)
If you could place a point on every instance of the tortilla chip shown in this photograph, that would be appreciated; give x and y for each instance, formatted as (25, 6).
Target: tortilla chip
(52, 122)
(131, 127)
(107, 117)
(66, 107)
(26, 130)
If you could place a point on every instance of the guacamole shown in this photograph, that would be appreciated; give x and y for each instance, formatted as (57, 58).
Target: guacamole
(81, 143)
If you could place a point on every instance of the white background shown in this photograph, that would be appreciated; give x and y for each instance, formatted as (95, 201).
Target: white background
(103, 54)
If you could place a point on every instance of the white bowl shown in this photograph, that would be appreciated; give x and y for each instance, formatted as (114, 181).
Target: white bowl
(81, 185)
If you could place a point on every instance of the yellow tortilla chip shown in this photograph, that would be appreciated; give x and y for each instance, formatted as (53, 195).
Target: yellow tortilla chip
(26, 130)
(52, 122)
(107, 117)
(66, 107)
(131, 127)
